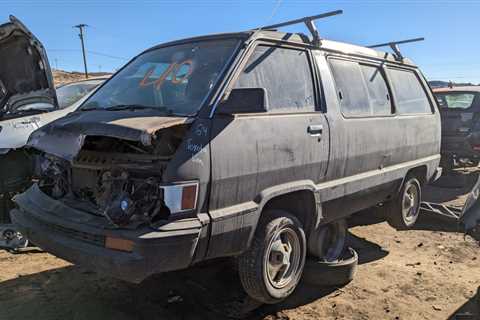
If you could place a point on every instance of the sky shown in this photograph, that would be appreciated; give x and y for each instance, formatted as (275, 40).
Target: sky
(119, 30)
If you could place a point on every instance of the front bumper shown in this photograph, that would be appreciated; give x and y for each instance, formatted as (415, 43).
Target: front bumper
(79, 237)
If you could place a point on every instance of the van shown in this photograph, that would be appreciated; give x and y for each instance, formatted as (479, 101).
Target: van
(255, 145)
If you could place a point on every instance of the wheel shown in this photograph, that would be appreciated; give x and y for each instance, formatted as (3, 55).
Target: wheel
(272, 267)
(402, 212)
(341, 272)
(328, 241)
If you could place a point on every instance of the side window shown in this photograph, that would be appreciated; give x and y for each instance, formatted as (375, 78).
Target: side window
(377, 90)
(409, 93)
(285, 74)
(362, 89)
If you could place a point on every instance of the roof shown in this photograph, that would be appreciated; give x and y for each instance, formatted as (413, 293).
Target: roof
(457, 89)
(298, 38)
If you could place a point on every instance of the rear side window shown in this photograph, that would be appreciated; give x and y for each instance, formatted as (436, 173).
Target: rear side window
(285, 74)
(409, 93)
(377, 90)
(455, 100)
(362, 89)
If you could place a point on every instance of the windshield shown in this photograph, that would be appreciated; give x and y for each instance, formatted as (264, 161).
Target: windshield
(70, 93)
(455, 100)
(173, 79)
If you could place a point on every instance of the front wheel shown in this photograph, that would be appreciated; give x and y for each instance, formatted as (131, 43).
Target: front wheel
(403, 211)
(272, 267)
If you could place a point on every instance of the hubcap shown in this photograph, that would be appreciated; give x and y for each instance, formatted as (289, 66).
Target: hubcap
(283, 258)
(411, 203)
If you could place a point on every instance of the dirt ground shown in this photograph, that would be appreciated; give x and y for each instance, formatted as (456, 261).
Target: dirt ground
(428, 273)
(432, 272)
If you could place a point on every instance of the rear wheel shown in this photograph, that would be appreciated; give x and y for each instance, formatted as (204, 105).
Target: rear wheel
(272, 267)
(402, 212)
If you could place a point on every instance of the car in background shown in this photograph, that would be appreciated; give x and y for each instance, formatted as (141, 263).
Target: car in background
(28, 100)
(69, 93)
(460, 113)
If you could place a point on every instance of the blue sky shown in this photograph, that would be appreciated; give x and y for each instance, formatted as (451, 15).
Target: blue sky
(121, 29)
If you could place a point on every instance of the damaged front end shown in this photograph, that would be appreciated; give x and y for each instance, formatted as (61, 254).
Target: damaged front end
(118, 178)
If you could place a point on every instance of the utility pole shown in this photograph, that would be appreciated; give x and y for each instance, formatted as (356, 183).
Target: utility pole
(80, 28)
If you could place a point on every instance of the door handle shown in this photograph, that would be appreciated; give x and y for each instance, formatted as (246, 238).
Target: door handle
(315, 130)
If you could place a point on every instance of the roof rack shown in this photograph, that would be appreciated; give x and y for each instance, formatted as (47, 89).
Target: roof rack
(309, 22)
(395, 47)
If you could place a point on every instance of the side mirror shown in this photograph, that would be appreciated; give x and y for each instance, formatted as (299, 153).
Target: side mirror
(244, 100)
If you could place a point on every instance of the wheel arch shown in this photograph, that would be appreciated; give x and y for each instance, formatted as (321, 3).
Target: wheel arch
(299, 199)
(419, 172)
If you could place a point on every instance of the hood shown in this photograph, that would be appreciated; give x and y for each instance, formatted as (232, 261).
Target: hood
(65, 137)
(25, 75)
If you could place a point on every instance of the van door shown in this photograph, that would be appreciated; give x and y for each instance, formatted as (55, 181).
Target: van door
(288, 144)
(360, 114)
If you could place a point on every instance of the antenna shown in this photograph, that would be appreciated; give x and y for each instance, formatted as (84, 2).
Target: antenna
(309, 22)
(394, 46)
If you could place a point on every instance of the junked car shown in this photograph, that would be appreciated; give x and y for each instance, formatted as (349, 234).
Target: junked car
(460, 111)
(28, 100)
(254, 145)
(69, 94)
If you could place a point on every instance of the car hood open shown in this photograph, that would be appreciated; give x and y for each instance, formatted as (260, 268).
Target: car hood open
(25, 75)
(65, 137)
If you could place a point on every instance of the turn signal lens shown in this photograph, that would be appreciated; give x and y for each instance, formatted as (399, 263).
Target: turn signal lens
(189, 197)
(180, 197)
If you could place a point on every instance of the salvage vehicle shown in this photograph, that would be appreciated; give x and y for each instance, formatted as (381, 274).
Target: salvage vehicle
(460, 113)
(70, 93)
(255, 145)
(28, 101)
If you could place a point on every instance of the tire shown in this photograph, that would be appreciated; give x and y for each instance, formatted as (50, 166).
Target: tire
(327, 242)
(320, 273)
(272, 267)
(402, 212)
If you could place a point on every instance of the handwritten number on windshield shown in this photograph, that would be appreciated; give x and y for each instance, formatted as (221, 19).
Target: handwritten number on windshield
(173, 70)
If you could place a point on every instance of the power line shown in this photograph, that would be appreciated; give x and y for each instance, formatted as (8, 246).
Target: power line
(106, 55)
(91, 52)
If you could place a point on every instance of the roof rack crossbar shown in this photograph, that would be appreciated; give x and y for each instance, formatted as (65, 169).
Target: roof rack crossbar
(309, 22)
(395, 47)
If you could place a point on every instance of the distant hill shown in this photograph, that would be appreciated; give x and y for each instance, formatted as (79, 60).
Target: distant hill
(62, 77)
(443, 84)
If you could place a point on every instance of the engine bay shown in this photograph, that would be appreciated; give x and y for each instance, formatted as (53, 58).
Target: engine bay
(115, 178)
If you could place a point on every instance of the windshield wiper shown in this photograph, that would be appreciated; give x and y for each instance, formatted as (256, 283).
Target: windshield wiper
(121, 107)
(132, 107)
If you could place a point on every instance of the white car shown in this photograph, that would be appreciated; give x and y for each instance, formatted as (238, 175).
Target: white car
(28, 101)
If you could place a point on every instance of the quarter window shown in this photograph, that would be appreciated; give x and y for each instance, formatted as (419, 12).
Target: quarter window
(285, 74)
(410, 96)
(362, 89)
